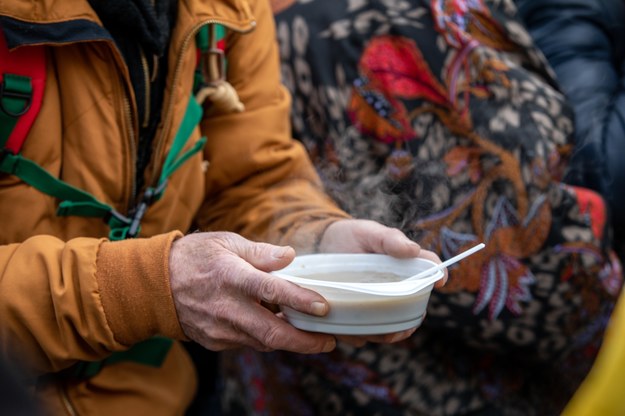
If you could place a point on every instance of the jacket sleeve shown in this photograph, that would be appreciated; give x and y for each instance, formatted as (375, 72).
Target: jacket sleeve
(583, 42)
(260, 181)
(62, 302)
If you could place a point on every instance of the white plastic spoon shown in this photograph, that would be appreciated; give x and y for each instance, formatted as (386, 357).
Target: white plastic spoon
(404, 287)
(446, 263)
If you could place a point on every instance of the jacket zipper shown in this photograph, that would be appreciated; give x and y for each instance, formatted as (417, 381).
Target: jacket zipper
(130, 121)
(177, 71)
(147, 85)
(129, 117)
(133, 151)
(66, 401)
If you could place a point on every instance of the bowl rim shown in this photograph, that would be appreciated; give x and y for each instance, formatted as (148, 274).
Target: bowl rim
(355, 261)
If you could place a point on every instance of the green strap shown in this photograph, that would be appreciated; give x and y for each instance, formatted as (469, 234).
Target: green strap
(14, 101)
(74, 201)
(203, 36)
(191, 119)
(151, 352)
(173, 161)
(37, 177)
(203, 40)
(220, 31)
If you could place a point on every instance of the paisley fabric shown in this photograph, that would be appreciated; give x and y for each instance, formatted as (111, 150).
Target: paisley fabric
(442, 119)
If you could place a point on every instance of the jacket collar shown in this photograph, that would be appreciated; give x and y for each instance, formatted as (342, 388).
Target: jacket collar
(233, 13)
(58, 22)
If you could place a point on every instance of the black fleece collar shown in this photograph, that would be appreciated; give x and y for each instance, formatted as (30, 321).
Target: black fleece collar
(147, 22)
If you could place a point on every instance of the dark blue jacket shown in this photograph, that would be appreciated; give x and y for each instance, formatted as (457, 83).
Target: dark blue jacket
(584, 41)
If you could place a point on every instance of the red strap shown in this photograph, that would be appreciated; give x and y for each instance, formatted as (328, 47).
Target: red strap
(28, 61)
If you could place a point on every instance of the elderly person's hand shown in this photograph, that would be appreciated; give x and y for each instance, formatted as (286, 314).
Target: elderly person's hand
(363, 236)
(218, 281)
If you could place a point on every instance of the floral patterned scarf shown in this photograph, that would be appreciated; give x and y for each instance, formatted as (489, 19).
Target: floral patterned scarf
(442, 119)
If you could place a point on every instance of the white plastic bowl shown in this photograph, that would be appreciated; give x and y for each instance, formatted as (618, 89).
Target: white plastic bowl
(353, 312)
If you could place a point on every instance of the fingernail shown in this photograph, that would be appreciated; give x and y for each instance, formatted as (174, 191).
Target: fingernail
(329, 346)
(319, 308)
(412, 244)
(397, 337)
(403, 335)
(280, 252)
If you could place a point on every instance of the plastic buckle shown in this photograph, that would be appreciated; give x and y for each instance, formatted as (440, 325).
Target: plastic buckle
(9, 165)
(149, 197)
(135, 224)
(118, 224)
(4, 93)
(122, 219)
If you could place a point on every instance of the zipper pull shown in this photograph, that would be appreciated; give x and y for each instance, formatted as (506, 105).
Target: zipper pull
(215, 88)
(222, 96)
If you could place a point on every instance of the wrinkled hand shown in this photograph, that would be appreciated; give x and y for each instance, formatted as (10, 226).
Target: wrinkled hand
(218, 281)
(364, 236)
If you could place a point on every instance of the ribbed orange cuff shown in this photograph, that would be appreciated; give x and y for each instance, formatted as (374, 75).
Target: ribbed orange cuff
(133, 277)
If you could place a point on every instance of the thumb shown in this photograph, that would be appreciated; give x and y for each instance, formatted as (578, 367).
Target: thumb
(267, 257)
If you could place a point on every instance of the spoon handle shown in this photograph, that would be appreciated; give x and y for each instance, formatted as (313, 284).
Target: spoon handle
(447, 262)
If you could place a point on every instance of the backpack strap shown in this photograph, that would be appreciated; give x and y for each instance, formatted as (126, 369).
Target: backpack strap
(151, 352)
(23, 73)
(22, 82)
(22, 85)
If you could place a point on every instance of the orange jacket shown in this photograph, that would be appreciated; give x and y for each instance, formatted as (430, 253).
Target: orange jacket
(66, 293)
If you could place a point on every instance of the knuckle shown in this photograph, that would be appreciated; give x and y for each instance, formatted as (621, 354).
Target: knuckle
(258, 250)
(225, 273)
(220, 310)
(395, 230)
(250, 286)
(272, 337)
(396, 233)
(269, 290)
